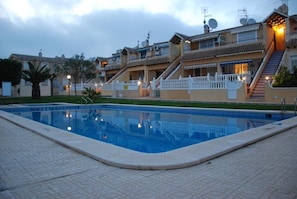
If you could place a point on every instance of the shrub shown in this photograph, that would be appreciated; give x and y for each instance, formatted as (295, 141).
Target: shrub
(91, 93)
(286, 79)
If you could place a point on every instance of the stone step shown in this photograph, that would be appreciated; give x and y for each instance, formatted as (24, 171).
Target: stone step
(269, 70)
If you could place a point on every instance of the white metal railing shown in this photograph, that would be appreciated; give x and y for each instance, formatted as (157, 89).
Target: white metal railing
(116, 85)
(174, 84)
(209, 85)
(81, 86)
(205, 82)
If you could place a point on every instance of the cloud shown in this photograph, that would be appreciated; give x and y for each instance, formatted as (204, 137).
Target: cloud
(100, 27)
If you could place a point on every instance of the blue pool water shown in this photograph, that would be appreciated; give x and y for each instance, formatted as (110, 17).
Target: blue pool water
(146, 129)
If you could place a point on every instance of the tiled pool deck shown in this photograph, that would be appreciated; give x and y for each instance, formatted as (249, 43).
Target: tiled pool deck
(32, 166)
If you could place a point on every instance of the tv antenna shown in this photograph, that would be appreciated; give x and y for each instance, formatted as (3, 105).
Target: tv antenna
(212, 23)
(285, 2)
(205, 11)
(146, 42)
(245, 20)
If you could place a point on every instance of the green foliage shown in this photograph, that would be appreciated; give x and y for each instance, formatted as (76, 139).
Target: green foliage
(286, 79)
(36, 74)
(10, 71)
(89, 71)
(78, 68)
(91, 93)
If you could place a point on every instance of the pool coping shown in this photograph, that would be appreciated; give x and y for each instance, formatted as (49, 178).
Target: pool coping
(175, 159)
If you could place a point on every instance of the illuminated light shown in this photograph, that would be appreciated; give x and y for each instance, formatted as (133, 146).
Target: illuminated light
(68, 115)
(188, 41)
(69, 128)
(267, 78)
(139, 125)
(101, 120)
(139, 82)
(281, 30)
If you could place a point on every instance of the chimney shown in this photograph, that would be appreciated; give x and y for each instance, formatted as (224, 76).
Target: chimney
(206, 28)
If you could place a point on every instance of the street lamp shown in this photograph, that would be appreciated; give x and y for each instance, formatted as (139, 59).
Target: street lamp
(68, 77)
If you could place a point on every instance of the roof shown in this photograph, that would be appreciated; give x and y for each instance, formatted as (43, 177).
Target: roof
(177, 37)
(275, 18)
(37, 58)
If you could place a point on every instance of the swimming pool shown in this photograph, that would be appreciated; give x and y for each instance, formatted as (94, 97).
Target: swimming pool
(147, 129)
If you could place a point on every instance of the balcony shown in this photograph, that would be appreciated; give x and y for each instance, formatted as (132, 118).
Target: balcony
(223, 50)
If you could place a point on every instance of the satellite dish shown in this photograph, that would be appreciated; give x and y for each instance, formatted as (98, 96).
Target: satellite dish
(243, 21)
(213, 23)
(144, 43)
(251, 21)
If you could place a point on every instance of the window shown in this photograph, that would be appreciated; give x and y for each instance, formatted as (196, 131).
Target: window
(241, 68)
(26, 65)
(293, 62)
(206, 44)
(44, 83)
(28, 83)
(247, 36)
(142, 54)
(46, 64)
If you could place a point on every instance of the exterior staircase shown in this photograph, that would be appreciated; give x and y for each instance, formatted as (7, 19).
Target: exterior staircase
(269, 70)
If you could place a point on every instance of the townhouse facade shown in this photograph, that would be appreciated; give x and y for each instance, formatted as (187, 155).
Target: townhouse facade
(250, 54)
(24, 89)
(235, 64)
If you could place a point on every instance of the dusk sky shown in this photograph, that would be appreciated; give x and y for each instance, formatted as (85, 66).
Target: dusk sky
(100, 27)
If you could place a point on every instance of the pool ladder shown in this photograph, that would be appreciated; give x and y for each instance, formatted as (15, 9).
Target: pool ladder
(283, 106)
(86, 100)
(295, 106)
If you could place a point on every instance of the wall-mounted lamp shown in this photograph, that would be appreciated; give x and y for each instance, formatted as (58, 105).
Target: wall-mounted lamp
(267, 78)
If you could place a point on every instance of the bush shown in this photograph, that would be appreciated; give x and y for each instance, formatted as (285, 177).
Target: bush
(284, 78)
(91, 93)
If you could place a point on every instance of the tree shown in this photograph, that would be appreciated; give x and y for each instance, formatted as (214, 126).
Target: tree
(78, 68)
(36, 74)
(10, 71)
(52, 78)
(89, 71)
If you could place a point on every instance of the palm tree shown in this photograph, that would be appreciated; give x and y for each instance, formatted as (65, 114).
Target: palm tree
(36, 75)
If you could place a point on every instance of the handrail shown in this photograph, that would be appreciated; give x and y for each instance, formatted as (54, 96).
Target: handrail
(280, 65)
(295, 109)
(90, 100)
(262, 67)
(119, 73)
(86, 99)
(283, 105)
(169, 69)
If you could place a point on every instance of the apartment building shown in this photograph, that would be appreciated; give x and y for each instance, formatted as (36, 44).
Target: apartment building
(250, 53)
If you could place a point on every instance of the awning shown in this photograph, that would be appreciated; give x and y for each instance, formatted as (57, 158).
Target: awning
(235, 62)
(200, 66)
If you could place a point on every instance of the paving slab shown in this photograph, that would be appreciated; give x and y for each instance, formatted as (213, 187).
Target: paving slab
(32, 166)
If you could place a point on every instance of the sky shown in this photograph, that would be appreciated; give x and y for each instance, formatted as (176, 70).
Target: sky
(98, 28)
